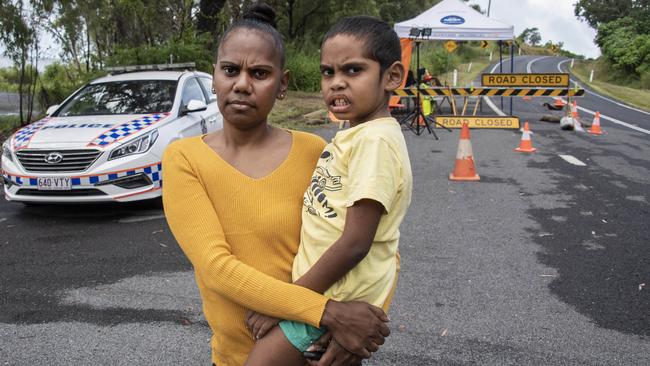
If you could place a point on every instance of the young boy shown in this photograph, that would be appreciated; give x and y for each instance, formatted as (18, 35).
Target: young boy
(360, 191)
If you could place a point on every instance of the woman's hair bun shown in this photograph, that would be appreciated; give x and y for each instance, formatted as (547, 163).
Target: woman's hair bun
(261, 12)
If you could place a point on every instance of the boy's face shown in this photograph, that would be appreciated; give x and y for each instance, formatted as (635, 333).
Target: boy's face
(352, 86)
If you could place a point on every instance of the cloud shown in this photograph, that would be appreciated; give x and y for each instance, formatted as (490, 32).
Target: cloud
(554, 19)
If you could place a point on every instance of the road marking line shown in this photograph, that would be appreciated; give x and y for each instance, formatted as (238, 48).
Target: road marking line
(487, 99)
(529, 66)
(132, 219)
(600, 96)
(3, 219)
(572, 160)
(497, 65)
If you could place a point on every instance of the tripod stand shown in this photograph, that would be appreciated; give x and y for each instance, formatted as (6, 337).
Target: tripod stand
(412, 120)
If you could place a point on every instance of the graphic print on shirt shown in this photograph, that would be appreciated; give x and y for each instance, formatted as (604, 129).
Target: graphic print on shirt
(315, 198)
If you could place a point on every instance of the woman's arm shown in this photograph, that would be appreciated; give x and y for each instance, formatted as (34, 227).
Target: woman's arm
(197, 229)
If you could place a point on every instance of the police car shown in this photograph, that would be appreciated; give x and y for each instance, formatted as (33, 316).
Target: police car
(105, 142)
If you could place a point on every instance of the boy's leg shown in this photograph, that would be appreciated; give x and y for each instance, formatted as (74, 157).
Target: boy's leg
(275, 349)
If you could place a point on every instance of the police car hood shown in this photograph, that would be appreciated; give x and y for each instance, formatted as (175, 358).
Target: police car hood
(84, 131)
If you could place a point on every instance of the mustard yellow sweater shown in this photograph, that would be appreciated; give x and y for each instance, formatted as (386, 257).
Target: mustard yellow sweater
(241, 235)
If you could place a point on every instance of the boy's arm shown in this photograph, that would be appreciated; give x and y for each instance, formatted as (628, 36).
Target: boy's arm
(361, 223)
(373, 183)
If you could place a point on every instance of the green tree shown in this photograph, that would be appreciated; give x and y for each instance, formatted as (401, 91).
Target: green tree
(623, 44)
(19, 25)
(535, 38)
(531, 36)
(595, 12)
(208, 19)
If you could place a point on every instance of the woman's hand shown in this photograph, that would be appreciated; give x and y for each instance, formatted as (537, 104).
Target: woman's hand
(259, 324)
(357, 326)
(334, 355)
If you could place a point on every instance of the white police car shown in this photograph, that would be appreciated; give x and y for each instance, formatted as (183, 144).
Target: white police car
(106, 141)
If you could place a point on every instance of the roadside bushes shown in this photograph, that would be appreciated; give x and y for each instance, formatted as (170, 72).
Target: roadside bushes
(9, 79)
(625, 43)
(58, 81)
(194, 49)
(304, 69)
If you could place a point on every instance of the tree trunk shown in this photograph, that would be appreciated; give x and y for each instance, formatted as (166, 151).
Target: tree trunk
(21, 81)
(32, 87)
(207, 20)
(290, 4)
(87, 48)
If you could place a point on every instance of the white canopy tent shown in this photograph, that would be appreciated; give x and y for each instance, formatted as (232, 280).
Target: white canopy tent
(449, 20)
(455, 20)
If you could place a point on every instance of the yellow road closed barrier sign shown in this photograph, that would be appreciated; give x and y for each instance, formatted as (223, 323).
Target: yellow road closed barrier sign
(543, 80)
(479, 122)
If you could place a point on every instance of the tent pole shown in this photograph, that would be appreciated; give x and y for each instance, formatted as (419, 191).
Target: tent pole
(417, 76)
(500, 43)
(512, 66)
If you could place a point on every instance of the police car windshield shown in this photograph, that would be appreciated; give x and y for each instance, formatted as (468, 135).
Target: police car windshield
(122, 97)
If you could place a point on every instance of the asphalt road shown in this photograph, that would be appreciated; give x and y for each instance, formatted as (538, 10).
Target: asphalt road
(541, 263)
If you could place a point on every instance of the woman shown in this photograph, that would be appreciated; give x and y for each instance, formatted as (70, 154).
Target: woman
(233, 201)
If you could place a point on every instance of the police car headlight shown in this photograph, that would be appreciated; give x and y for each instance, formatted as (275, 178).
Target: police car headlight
(6, 151)
(137, 146)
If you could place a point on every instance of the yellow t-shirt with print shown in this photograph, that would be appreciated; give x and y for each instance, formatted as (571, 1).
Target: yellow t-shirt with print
(368, 161)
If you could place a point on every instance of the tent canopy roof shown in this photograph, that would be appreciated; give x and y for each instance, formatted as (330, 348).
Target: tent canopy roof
(453, 19)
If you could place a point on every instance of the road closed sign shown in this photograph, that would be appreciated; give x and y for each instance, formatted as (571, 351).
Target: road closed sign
(540, 80)
(507, 122)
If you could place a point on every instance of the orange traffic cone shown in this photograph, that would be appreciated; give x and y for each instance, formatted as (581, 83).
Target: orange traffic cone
(559, 103)
(574, 109)
(526, 144)
(464, 168)
(421, 121)
(595, 127)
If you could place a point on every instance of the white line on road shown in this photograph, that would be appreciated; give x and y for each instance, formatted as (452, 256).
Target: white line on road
(529, 66)
(497, 65)
(572, 160)
(3, 219)
(132, 219)
(488, 100)
(600, 96)
(491, 104)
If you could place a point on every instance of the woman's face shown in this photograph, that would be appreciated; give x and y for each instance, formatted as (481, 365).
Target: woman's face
(248, 77)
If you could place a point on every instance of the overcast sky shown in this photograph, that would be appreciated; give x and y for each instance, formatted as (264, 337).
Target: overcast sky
(554, 19)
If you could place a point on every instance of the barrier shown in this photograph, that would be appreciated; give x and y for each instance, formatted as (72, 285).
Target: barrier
(490, 92)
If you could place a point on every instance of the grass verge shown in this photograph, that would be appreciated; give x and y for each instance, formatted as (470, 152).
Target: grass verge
(465, 74)
(290, 112)
(639, 98)
(8, 124)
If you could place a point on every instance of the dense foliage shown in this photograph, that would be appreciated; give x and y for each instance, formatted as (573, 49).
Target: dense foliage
(623, 36)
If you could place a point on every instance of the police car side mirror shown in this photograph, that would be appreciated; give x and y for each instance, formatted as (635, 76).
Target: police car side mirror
(51, 109)
(193, 106)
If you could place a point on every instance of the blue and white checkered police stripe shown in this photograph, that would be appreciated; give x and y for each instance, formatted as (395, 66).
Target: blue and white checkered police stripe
(24, 135)
(126, 129)
(20, 181)
(154, 172)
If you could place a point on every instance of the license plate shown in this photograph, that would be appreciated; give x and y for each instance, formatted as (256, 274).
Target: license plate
(54, 184)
